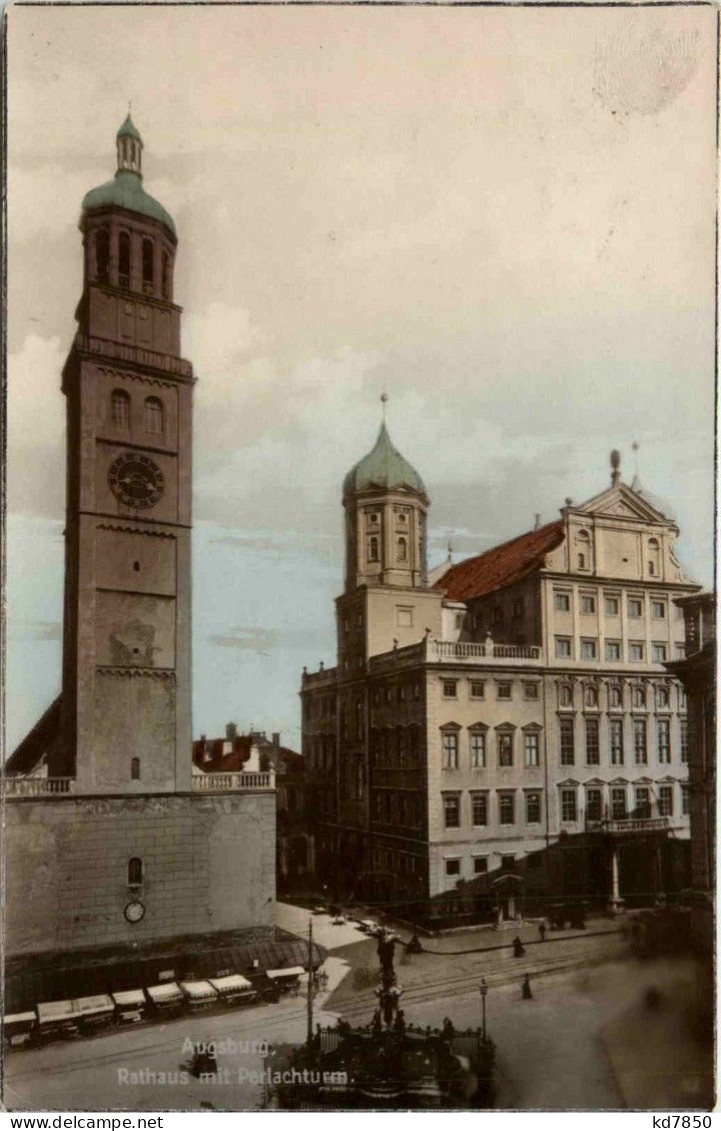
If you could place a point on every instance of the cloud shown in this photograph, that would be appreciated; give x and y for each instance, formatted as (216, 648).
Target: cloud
(36, 426)
(256, 640)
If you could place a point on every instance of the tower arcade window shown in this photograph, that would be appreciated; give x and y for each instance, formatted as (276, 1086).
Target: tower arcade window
(135, 769)
(373, 549)
(135, 871)
(124, 260)
(154, 416)
(102, 255)
(148, 266)
(166, 275)
(402, 549)
(120, 409)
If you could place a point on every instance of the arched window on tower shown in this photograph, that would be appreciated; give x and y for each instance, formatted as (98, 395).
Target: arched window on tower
(135, 871)
(120, 409)
(583, 540)
(154, 416)
(135, 769)
(102, 255)
(654, 558)
(166, 275)
(373, 549)
(402, 549)
(124, 260)
(148, 267)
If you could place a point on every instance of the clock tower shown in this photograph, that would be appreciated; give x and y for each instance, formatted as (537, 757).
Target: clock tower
(127, 618)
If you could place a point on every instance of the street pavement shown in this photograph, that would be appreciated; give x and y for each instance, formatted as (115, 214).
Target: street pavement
(325, 932)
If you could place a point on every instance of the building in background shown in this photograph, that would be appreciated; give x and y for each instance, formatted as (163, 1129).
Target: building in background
(697, 673)
(508, 702)
(254, 753)
(110, 844)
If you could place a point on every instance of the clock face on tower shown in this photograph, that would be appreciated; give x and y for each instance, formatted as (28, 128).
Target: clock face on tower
(136, 480)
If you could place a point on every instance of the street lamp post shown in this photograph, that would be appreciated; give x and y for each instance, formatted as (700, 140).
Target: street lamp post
(484, 990)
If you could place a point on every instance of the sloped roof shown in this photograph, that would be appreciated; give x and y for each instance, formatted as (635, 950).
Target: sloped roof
(28, 755)
(502, 565)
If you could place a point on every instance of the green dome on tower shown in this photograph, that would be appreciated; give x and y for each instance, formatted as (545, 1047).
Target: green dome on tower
(126, 188)
(383, 467)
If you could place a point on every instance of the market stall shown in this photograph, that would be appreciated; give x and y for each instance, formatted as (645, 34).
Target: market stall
(234, 989)
(200, 995)
(129, 1006)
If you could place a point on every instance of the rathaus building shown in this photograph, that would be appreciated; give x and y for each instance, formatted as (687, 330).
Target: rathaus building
(487, 714)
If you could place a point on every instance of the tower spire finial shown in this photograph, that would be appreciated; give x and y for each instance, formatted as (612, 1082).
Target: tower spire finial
(384, 402)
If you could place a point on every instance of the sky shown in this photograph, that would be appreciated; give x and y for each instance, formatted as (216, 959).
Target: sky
(503, 217)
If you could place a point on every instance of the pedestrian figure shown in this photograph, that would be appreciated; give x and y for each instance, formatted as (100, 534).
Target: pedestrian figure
(542, 931)
(526, 989)
(518, 948)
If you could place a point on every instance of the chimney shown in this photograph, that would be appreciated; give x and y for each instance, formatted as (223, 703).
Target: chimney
(231, 731)
(276, 739)
(537, 524)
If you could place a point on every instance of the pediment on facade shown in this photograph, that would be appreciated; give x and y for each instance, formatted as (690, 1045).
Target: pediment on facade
(618, 781)
(594, 781)
(568, 782)
(621, 502)
(505, 726)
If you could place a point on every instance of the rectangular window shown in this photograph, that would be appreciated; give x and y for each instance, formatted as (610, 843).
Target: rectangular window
(658, 610)
(530, 691)
(663, 740)
(504, 691)
(533, 808)
(505, 748)
(508, 863)
(610, 604)
(404, 617)
(592, 747)
(618, 803)
(453, 867)
(450, 750)
(506, 808)
(478, 749)
(684, 739)
(449, 688)
(613, 650)
(479, 802)
(615, 735)
(635, 651)
(658, 653)
(563, 647)
(562, 602)
(594, 808)
(478, 689)
(643, 803)
(635, 606)
(588, 649)
(639, 741)
(665, 801)
(567, 745)
(531, 751)
(480, 865)
(452, 810)
(568, 805)
(588, 603)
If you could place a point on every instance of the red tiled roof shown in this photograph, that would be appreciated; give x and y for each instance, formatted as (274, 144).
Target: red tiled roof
(502, 565)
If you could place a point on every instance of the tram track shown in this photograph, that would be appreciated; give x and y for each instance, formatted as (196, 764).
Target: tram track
(262, 1027)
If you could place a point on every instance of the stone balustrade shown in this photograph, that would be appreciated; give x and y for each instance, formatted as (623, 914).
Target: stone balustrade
(37, 787)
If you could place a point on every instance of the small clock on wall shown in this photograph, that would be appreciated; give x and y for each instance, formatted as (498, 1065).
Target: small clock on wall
(136, 480)
(134, 911)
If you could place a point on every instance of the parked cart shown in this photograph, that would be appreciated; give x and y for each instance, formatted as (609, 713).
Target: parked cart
(57, 1019)
(167, 998)
(94, 1013)
(286, 979)
(129, 1006)
(234, 989)
(200, 995)
(19, 1029)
